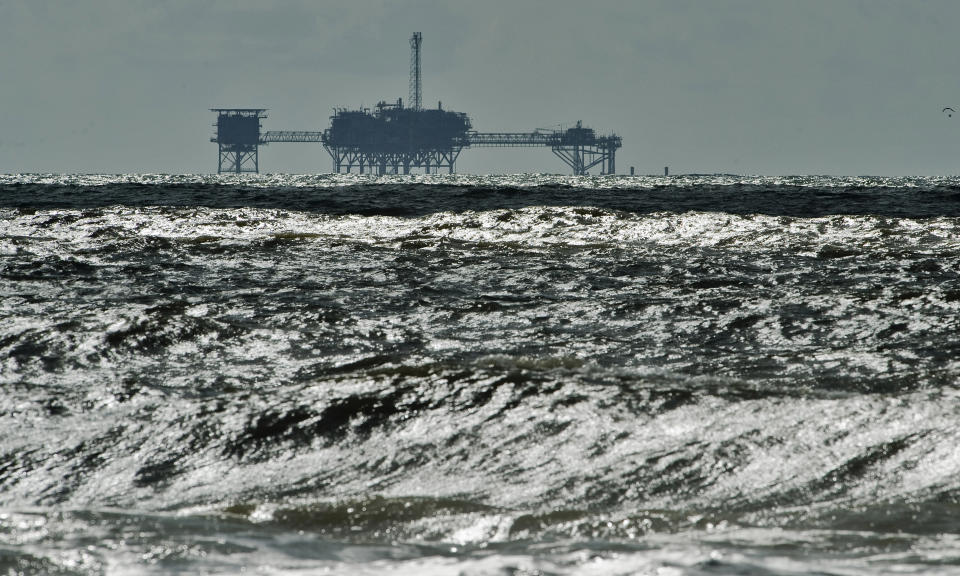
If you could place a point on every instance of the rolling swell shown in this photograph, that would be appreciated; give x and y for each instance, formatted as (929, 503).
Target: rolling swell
(796, 196)
(699, 374)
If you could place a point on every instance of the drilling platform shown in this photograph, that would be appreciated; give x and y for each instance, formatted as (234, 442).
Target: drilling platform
(394, 139)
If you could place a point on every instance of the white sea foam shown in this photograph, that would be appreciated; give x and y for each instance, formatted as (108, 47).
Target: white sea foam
(549, 386)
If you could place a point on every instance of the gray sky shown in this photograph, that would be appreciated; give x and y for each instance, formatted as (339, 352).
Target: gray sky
(737, 86)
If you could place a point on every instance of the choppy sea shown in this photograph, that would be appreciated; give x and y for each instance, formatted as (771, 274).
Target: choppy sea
(509, 375)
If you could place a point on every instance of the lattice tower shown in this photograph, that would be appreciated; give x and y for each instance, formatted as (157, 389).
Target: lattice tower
(416, 94)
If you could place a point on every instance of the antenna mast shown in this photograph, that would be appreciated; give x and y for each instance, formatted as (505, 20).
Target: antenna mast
(416, 94)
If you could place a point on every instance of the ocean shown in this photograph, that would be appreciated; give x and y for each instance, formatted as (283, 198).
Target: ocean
(504, 375)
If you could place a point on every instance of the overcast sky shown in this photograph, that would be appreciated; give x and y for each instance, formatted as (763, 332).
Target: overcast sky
(734, 86)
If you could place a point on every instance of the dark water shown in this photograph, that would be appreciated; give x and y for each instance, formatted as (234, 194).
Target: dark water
(479, 375)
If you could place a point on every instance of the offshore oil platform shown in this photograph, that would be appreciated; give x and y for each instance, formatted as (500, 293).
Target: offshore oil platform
(394, 139)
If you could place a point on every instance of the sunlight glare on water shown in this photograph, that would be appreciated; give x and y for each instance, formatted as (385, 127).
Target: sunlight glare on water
(502, 374)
